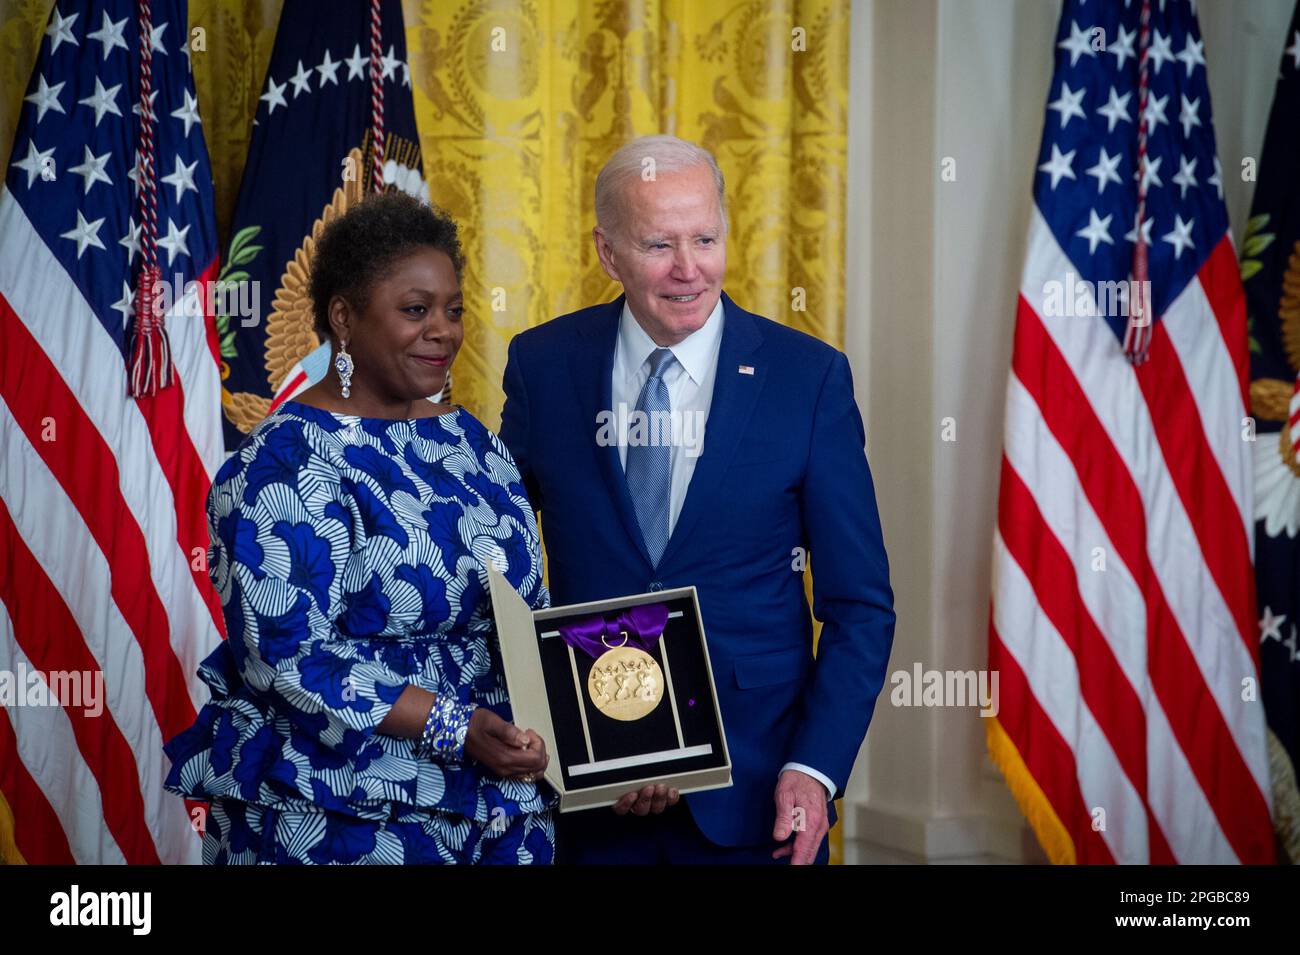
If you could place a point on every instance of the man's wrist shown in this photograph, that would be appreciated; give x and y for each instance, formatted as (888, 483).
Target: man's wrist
(822, 778)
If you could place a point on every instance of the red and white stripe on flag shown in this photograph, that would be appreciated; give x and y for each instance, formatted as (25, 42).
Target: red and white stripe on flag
(103, 538)
(1293, 419)
(1122, 622)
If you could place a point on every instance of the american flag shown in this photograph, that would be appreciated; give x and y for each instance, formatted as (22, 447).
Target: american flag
(1123, 614)
(102, 534)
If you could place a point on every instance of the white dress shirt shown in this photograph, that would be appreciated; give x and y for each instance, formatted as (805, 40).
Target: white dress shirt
(690, 392)
(689, 381)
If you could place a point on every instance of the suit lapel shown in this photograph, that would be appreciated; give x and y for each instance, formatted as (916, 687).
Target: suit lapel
(592, 365)
(734, 398)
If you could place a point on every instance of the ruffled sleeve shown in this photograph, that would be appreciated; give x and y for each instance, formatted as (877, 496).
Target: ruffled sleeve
(282, 527)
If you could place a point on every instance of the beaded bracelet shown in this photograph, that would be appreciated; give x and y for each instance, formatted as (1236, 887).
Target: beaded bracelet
(445, 729)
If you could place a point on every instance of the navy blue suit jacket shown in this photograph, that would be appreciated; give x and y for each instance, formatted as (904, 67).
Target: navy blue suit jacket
(783, 467)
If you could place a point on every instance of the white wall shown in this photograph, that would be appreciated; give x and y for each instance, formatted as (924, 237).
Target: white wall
(933, 270)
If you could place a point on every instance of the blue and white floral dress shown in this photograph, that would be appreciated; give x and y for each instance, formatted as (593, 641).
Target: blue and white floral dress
(350, 555)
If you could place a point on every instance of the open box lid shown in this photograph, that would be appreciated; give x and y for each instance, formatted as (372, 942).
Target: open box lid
(523, 667)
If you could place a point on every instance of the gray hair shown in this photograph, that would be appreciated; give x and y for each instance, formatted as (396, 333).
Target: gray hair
(668, 153)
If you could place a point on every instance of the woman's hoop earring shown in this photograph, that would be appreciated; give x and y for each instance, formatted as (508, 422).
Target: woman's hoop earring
(343, 365)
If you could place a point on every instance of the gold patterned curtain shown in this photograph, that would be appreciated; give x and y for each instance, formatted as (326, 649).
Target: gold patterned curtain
(519, 103)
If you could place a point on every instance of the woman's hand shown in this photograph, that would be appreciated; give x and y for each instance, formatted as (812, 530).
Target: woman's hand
(511, 753)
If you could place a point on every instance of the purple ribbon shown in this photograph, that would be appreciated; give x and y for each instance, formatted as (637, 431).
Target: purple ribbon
(643, 626)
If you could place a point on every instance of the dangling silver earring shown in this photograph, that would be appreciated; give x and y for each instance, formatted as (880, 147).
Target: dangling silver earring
(343, 365)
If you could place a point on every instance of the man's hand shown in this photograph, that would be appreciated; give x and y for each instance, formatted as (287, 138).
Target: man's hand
(650, 799)
(801, 809)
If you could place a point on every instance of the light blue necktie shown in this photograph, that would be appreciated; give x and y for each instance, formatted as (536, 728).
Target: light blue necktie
(649, 467)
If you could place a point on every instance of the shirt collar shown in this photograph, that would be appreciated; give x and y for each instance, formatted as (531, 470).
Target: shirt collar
(694, 353)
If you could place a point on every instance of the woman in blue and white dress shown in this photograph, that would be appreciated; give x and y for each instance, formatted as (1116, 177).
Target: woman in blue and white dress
(359, 713)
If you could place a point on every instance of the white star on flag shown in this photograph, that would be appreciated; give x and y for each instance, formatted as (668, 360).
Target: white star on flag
(174, 241)
(1123, 46)
(1270, 626)
(102, 101)
(91, 169)
(137, 170)
(109, 36)
(357, 64)
(274, 95)
(1116, 110)
(182, 178)
(1097, 230)
(1067, 104)
(153, 95)
(125, 304)
(1151, 174)
(1155, 114)
(1059, 165)
(84, 234)
(301, 81)
(1189, 115)
(1077, 43)
(328, 69)
(1217, 179)
(1186, 176)
(131, 241)
(35, 161)
(189, 113)
(46, 97)
(60, 30)
(1180, 237)
(389, 62)
(1105, 169)
(1131, 234)
(155, 38)
(1193, 54)
(1159, 51)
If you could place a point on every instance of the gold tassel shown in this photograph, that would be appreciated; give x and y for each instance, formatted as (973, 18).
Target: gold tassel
(1047, 826)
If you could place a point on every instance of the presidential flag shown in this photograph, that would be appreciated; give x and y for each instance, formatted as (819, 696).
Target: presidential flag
(336, 120)
(1123, 618)
(1270, 270)
(110, 413)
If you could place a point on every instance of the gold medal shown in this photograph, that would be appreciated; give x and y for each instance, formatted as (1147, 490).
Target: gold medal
(625, 683)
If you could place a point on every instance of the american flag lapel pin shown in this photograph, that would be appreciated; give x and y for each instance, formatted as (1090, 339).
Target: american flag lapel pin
(746, 369)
